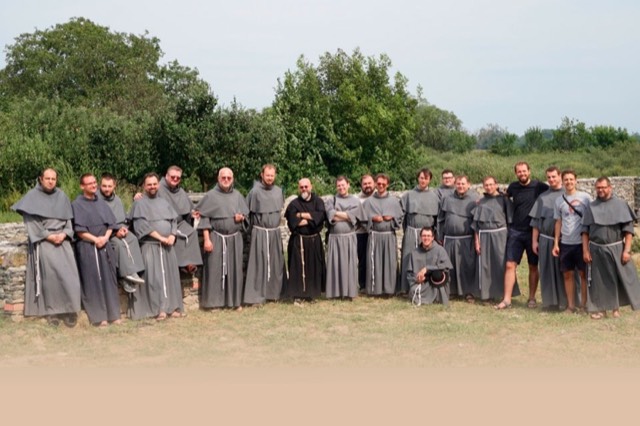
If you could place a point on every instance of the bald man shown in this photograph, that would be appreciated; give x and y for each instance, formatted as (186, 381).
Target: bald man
(305, 218)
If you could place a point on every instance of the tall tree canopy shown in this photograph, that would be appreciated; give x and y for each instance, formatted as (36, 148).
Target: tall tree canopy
(345, 115)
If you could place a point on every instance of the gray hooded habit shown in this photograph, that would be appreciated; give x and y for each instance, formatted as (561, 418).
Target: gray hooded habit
(611, 284)
(222, 277)
(265, 268)
(434, 258)
(490, 219)
(342, 246)
(454, 228)
(551, 279)
(128, 256)
(162, 291)
(52, 282)
(187, 245)
(97, 267)
(382, 246)
(420, 211)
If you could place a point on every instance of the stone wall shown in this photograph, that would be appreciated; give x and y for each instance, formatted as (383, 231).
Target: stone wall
(13, 246)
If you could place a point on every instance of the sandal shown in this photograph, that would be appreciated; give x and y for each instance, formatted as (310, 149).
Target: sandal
(502, 305)
(177, 314)
(597, 315)
(469, 298)
(161, 316)
(532, 304)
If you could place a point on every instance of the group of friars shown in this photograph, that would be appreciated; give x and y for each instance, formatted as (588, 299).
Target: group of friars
(456, 244)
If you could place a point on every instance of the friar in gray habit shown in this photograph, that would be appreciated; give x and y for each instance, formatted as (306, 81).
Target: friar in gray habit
(420, 206)
(428, 271)
(223, 218)
(93, 222)
(490, 220)
(52, 285)
(606, 244)
(265, 267)
(128, 256)
(155, 225)
(187, 245)
(542, 225)
(343, 213)
(384, 215)
(454, 228)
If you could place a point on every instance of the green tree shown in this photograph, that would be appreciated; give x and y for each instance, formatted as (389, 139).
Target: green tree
(439, 129)
(537, 140)
(572, 135)
(82, 63)
(489, 135)
(506, 145)
(345, 115)
(608, 136)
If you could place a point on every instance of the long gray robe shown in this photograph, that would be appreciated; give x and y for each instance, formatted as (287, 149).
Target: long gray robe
(454, 225)
(434, 258)
(307, 270)
(222, 277)
(490, 219)
(612, 284)
(420, 210)
(382, 247)
(52, 282)
(342, 248)
(551, 278)
(265, 267)
(161, 291)
(97, 267)
(127, 250)
(187, 245)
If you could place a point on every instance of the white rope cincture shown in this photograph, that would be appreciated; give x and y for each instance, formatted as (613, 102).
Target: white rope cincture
(38, 273)
(417, 294)
(267, 230)
(304, 275)
(225, 256)
(129, 254)
(164, 279)
(95, 251)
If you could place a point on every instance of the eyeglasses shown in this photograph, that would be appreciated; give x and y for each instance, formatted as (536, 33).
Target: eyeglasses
(226, 177)
(175, 177)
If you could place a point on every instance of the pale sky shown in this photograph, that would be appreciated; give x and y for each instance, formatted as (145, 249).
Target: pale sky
(514, 63)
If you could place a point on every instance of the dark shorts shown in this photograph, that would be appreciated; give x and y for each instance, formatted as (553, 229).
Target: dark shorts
(571, 257)
(517, 243)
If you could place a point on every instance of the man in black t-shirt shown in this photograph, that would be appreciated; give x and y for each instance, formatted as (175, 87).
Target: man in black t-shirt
(523, 194)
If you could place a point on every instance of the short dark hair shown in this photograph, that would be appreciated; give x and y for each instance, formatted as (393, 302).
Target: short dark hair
(383, 176)
(107, 176)
(148, 175)
(84, 175)
(426, 171)
(342, 177)
(552, 169)
(569, 172)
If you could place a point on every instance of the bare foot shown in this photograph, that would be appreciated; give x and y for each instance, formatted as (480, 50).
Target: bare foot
(178, 314)
(161, 316)
(616, 313)
(116, 322)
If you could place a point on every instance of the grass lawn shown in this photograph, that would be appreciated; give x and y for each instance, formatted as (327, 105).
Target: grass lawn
(368, 332)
